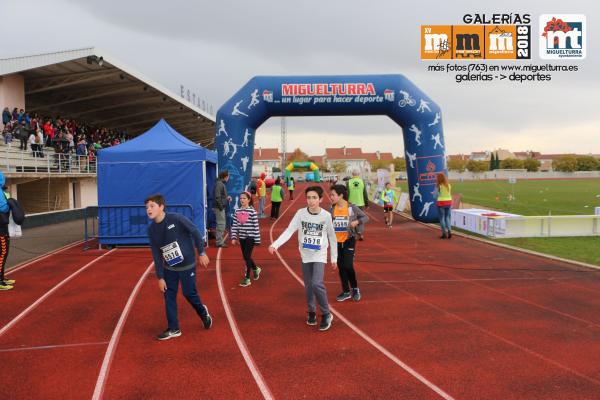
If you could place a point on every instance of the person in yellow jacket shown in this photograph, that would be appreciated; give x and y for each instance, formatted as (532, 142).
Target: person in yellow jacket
(276, 198)
(389, 199)
(261, 188)
(444, 204)
(291, 188)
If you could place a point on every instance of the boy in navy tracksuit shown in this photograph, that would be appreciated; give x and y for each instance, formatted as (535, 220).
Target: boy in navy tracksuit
(172, 239)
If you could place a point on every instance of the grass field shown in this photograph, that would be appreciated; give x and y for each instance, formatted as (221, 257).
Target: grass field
(540, 197)
(556, 197)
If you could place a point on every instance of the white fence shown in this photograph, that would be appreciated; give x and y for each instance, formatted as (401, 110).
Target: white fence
(502, 225)
(520, 174)
(51, 163)
(544, 226)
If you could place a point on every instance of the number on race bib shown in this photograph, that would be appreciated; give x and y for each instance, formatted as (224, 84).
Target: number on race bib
(172, 254)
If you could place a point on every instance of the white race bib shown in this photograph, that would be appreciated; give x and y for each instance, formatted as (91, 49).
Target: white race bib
(312, 242)
(172, 254)
(340, 223)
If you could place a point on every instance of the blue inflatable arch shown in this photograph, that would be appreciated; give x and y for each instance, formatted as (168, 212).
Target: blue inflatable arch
(392, 95)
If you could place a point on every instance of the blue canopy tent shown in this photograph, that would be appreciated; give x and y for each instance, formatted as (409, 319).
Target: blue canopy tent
(158, 161)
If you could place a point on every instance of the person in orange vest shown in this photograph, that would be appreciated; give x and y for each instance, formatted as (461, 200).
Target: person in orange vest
(347, 220)
(444, 204)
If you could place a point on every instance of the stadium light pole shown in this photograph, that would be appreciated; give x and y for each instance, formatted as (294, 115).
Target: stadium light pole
(283, 144)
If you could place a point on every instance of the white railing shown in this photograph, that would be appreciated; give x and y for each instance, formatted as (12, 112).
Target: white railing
(50, 163)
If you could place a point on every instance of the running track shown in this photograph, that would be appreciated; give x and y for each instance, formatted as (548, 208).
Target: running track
(454, 319)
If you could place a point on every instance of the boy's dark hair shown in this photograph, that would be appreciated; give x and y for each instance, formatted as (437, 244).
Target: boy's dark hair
(223, 174)
(317, 189)
(156, 198)
(341, 190)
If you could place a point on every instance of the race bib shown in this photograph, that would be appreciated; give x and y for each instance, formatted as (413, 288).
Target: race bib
(172, 254)
(312, 242)
(340, 224)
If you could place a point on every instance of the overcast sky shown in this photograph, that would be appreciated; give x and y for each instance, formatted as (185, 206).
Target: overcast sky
(214, 47)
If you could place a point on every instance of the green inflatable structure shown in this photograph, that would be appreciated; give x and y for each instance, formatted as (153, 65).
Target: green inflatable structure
(302, 164)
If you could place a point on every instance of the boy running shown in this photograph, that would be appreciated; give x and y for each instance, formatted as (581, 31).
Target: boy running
(172, 240)
(347, 220)
(315, 234)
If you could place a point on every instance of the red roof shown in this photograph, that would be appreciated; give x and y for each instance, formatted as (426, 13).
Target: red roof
(266, 155)
(352, 153)
(317, 159)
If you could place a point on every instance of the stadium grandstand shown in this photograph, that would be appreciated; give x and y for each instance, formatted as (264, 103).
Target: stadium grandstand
(78, 101)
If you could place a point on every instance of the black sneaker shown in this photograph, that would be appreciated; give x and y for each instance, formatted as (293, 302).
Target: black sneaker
(356, 294)
(312, 318)
(449, 235)
(326, 322)
(169, 334)
(343, 296)
(206, 321)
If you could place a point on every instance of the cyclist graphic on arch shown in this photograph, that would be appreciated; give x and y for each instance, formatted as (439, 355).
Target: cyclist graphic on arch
(406, 99)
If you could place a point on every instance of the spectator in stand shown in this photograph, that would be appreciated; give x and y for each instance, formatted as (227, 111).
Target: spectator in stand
(22, 134)
(32, 144)
(21, 116)
(70, 142)
(6, 117)
(39, 142)
(81, 152)
(33, 124)
(50, 133)
(7, 133)
(15, 114)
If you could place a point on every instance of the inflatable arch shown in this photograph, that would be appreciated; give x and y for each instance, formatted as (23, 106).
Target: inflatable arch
(392, 95)
(302, 164)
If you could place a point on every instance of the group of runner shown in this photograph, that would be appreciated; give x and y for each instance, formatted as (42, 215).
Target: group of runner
(173, 238)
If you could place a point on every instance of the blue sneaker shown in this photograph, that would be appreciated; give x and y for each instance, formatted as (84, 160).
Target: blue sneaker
(326, 322)
(312, 318)
(207, 321)
(169, 334)
(343, 296)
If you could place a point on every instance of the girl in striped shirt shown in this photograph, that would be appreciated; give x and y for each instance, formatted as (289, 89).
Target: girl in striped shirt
(245, 230)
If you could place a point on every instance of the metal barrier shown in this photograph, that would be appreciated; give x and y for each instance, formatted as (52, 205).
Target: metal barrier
(51, 163)
(123, 221)
(544, 226)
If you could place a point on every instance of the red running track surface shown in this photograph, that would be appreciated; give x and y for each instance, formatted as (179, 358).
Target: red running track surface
(455, 318)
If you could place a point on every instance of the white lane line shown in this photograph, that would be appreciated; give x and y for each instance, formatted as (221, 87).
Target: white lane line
(51, 347)
(362, 334)
(42, 257)
(462, 280)
(114, 340)
(239, 339)
(50, 292)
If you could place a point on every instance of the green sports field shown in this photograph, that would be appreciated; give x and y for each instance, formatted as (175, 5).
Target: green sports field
(539, 197)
